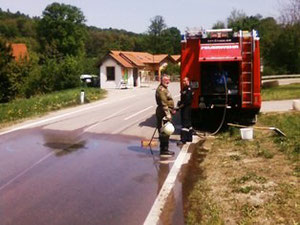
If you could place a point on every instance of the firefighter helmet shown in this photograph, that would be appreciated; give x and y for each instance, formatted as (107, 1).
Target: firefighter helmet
(168, 128)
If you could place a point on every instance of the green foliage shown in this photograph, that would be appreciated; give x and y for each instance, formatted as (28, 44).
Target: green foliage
(18, 73)
(39, 105)
(238, 20)
(289, 123)
(235, 19)
(285, 53)
(280, 44)
(99, 42)
(59, 75)
(219, 25)
(89, 65)
(14, 25)
(62, 29)
(171, 41)
(5, 59)
(172, 69)
(291, 91)
(157, 26)
(161, 39)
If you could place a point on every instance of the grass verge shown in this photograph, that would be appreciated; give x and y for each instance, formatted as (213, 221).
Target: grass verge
(291, 91)
(20, 109)
(247, 182)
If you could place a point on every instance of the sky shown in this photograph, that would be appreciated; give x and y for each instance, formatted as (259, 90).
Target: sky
(135, 15)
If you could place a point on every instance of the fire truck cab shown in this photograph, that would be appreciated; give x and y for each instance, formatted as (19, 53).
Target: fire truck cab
(224, 71)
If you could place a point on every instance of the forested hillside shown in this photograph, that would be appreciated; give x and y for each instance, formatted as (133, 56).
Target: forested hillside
(61, 46)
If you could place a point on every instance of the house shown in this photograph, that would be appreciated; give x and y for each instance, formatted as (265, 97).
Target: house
(19, 51)
(131, 69)
(176, 58)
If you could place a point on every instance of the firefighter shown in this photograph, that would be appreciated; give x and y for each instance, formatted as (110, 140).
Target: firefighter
(164, 111)
(186, 134)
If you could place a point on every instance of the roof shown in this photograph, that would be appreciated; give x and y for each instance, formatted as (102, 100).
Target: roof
(136, 59)
(160, 58)
(119, 59)
(176, 57)
(19, 51)
(140, 59)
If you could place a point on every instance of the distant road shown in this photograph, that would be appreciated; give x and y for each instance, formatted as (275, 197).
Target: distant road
(277, 106)
(288, 81)
(285, 81)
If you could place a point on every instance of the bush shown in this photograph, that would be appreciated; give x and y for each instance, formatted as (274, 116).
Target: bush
(54, 75)
(5, 59)
(172, 69)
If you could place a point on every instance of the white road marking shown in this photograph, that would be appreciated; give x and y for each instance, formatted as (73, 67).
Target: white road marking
(26, 170)
(116, 113)
(131, 124)
(61, 116)
(154, 214)
(133, 115)
(106, 118)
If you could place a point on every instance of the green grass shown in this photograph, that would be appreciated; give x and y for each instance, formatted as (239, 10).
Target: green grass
(248, 172)
(291, 91)
(289, 123)
(20, 109)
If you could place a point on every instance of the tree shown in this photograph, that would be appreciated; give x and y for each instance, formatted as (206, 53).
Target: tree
(154, 38)
(235, 19)
(157, 26)
(219, 25)
(5, 58)
(62, 27)
(238, 20)
(284, 54)
(171, 41)
(290, 12)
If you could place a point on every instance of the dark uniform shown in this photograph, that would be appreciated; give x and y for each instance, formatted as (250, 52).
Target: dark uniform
(165, 105)
(184, 105)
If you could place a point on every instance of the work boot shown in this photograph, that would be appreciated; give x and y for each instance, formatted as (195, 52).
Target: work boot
(167, 153)
(180, 143)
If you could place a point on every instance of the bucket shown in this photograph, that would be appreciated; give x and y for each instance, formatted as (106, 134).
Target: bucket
(247, 133)
(296, 105)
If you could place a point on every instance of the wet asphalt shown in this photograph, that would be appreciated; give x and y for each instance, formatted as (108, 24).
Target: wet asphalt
(87, 167)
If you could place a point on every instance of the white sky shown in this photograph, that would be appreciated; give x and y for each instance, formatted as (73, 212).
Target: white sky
(135, 15)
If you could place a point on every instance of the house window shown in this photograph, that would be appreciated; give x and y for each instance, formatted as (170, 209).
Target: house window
(110, 71)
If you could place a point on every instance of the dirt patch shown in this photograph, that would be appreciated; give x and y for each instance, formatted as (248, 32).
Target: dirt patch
(241, 182)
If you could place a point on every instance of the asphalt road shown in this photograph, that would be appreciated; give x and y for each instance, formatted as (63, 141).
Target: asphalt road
(83, 165)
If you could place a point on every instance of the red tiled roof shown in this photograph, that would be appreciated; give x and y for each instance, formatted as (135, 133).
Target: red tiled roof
(139, 59)
(19, 51)
(176, 57)
(135, 58)
(118, 58)
(160, 58)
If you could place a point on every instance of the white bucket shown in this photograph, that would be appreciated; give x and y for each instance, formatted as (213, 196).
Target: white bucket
(247, 133)
(296, 105)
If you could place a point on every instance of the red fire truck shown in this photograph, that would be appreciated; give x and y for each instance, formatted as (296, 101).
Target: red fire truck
(224, 69)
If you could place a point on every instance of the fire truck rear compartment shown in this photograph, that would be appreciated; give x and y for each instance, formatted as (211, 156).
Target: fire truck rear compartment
(213, 77)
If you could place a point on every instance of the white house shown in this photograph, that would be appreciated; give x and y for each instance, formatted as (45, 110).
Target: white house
(120, 69)
(115, 72)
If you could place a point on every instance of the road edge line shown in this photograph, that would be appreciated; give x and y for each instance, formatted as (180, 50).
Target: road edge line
(158, 205)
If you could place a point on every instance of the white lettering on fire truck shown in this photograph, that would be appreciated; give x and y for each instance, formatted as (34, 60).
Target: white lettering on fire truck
(209, 47)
